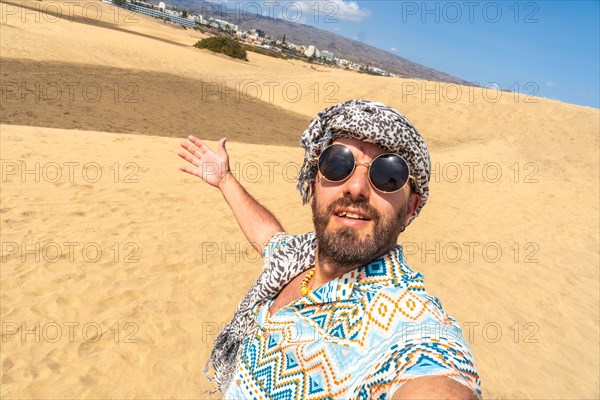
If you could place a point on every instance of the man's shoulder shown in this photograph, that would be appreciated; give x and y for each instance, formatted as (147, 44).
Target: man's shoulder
(410, 290)
(285, 242)
(284, 251)
(403, 293)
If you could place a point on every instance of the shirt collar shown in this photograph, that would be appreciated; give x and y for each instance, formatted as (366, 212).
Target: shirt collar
(387, 270)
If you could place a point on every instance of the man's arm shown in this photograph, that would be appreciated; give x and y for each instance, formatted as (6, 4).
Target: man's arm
(257, 223)
(434, 387)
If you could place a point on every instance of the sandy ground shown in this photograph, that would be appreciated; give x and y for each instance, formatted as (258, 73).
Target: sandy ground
(80, 96)
(117, 269)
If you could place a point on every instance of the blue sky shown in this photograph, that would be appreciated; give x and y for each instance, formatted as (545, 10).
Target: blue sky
(546, 48)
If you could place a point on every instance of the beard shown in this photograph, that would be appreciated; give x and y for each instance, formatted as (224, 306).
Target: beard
(343, 247)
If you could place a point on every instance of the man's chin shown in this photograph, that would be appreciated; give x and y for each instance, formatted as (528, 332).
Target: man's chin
(357, 232)
(352, 237)
(347, 241)
(346, 246)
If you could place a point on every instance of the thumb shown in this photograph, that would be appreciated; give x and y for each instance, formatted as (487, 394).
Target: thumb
(222, 149)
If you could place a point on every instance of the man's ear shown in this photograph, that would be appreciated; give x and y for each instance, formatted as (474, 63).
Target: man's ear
(412, 204)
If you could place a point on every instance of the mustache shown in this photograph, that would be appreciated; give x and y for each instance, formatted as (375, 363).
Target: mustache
(362, 206)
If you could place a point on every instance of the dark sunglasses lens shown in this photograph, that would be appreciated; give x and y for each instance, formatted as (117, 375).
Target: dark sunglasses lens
(389, 172)
(336, 163)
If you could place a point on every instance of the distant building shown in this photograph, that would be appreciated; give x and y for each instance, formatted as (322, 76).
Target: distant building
(162, 6)
(157, 13)
(376, 70)
(312, 51)
(256, 34)
(224, 25)
(327, 55)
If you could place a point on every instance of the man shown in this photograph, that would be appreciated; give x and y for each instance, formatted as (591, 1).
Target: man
(337, 313)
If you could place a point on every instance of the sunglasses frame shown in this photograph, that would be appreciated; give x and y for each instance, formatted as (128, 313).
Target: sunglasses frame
(368, 164)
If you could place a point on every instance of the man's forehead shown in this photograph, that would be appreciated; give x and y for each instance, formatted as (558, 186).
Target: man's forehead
(363, 146)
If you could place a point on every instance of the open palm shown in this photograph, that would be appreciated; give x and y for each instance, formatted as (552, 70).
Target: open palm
(211, 166)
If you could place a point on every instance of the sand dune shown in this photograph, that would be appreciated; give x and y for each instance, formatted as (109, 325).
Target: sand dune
(137, 265)
(80, 96)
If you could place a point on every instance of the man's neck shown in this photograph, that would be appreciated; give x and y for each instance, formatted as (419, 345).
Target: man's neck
(327, 269)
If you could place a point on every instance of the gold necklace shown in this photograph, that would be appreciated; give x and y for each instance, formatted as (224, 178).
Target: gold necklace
(304, 290)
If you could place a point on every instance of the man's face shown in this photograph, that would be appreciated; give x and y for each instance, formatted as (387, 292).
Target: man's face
(343, 238)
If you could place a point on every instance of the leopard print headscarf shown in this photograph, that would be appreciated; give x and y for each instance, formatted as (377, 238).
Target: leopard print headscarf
(371, 122)
(358, 119)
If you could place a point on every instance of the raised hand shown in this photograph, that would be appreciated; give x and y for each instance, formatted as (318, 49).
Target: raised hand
(210, 166)
(257, 223)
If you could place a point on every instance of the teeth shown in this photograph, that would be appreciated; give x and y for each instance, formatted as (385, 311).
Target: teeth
(351, 215)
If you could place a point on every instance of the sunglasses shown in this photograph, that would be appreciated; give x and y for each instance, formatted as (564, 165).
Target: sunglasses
(388, 172)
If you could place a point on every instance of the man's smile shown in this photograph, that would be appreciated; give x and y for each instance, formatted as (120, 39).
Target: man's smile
(352, 213)
(351, 217)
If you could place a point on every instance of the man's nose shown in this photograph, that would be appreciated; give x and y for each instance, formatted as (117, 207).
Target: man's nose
(357, 186)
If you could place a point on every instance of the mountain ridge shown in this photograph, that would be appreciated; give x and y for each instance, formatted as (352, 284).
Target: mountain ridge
(341, 46)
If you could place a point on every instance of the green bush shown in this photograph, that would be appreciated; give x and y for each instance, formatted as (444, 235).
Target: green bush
(225, 45)
(266, 52)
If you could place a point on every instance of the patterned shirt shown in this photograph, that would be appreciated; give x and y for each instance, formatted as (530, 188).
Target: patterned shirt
(359, 336)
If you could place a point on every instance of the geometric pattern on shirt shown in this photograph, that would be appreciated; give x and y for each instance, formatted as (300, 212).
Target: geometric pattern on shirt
(358, 336)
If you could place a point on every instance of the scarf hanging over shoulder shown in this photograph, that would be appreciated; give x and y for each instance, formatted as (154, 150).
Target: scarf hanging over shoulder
(284, 258)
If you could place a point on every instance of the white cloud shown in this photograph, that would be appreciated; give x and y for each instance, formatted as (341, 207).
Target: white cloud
(394, 49)
(348, 10)
(311, 11)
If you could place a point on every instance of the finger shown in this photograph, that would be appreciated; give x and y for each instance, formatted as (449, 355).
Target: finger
(222, 149)
(192, 149)
(189, 170)
(191, 145)
(201, 145)
(189, 158)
